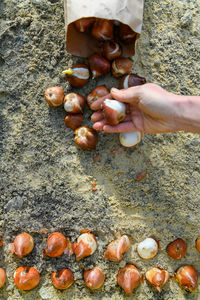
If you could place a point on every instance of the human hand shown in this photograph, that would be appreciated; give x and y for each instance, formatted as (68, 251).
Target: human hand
(151, 110)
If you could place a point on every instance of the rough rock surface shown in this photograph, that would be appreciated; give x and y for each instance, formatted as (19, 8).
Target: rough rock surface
(46, 179)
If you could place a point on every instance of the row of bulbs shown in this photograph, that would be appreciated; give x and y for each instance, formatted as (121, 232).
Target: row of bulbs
(128, 277)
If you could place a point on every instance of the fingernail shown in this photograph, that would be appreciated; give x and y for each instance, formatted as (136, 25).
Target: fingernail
(114, 90)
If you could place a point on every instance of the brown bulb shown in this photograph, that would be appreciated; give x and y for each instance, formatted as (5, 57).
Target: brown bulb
(157, 277)
(86, 138)
(94, 278)
(86, 245)
(23, 245)
(128, 278)
(99, 66)
(78, 75)
(96, 93)
(26, 278)
(127, 35)
(198, 244)
(73, 121)
(114, 111)
(177, 249)
(62, 279)
(131, 80)
(187, 277)
(2, 277)
(54, 96)
(74, 103)
(103, 30)
(117, 248)
(56, 245)
(111, 50)
(121, 66)
(84, 24)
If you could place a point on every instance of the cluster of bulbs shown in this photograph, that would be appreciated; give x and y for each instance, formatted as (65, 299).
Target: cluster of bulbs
(128, 277)
(110, 34)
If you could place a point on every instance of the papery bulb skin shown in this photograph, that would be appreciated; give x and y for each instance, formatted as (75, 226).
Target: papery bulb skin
(2, 277)
(56, 245)
(103, 30)
(74, 103)
(114, 111)
(84, 24)
(78, 75)
(177, 249)
(130, 139)
(54, 96)
(94, 278)
(148, 248)
(73, 121)
(111, 50)
(117, 248)
(187, 277)
(86, 138)
(99, 66)
(131, 80)
(85, 246)
(197, 243)
(126, 34)
(23, 245)
(96, 93)
(121, 66)
(128, 278)
(26, 278)
(62, 279)
(157, 277)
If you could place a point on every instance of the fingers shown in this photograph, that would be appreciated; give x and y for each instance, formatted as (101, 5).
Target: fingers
(129, 95)
(97, 104)
(121, 127)
(99, 125)
(97, 116)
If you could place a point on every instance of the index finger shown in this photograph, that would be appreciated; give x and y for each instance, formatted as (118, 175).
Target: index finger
(96, 105)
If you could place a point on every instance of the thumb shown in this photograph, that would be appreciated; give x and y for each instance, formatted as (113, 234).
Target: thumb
(129, 95)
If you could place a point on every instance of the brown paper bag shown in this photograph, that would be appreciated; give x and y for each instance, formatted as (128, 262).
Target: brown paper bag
(129, 12)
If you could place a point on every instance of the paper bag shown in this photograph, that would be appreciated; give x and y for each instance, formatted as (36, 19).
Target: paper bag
(129, 12)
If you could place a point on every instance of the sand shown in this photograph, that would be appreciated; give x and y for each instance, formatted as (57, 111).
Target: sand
(46, 179)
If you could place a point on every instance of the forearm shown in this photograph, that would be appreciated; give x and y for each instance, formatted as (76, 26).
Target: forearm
(187, 113)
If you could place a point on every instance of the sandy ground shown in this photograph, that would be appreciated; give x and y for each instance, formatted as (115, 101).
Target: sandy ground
(46, 179)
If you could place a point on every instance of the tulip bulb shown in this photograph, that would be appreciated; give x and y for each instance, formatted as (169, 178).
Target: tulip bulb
(117, 248)
(114, 111)
(157, 277)
(2, 277)
(99, 66)
(54, 96)
(103, 30)
(111, 50)
(148, 248)
(94, 278)
(62, 279)
(131, 80)
(187, 277)
(177, 249)
(73, 121)
(84, 24)
(121, 66)
(128, 278)
(198, 244)
(85, 246)
(74, 103)
(96, 93)
(127, 35)
(26, 278)
(56, 245)
(130, 139)
(78, 75)
(86, 138)
(23, 245)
